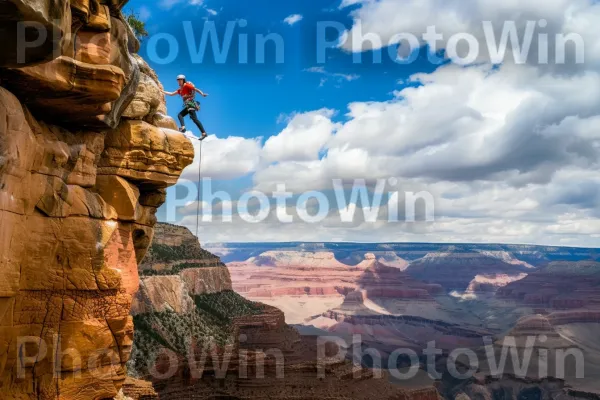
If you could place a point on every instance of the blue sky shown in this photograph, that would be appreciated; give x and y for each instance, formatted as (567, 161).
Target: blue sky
(505, 149)
(247, 100)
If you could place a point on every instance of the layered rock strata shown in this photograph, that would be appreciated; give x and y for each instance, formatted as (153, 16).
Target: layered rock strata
(469, 271)
(275, 274)
(79, 189)
(559, 286)
(176, 269)
(383, 304)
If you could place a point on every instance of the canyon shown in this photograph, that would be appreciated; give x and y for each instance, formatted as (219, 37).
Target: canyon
(99, 301)
(197, 338)
(460, 296)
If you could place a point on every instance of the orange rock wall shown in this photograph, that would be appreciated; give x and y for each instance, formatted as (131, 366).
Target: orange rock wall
(79, 189)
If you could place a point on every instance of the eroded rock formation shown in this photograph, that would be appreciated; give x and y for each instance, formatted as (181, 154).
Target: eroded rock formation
(135, 389)
(79, 189)
(559, 286)
(474, 292)
(467, 271)
(274, 276)
(175, 269)
(562, 317)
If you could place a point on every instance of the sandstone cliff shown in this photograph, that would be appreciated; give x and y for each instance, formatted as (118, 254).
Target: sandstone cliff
(176, 269)
(85, 156)
(185, 298)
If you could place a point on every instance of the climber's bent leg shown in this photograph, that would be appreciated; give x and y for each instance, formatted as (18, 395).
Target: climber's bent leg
(181, 115)
(194, 118)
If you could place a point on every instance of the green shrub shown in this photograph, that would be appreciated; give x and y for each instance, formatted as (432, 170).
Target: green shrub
(138, 26)
(175, 270)
(210, 322)
(225, 306)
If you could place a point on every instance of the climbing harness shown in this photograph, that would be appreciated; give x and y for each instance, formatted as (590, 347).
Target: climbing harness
(192, 105)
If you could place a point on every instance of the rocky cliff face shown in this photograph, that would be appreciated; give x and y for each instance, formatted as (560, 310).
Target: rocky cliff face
(176, 269)
(185, 299)
(175, 249)
(85, 156)
(469, 271)
(559, 286)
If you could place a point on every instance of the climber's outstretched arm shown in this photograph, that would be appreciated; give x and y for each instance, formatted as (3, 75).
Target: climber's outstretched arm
(201, 92)
(169, 93)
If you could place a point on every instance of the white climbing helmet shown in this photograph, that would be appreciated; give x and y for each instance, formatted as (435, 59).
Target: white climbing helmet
(181, 77)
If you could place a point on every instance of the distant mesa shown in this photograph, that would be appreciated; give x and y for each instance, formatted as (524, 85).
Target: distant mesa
(559, 286)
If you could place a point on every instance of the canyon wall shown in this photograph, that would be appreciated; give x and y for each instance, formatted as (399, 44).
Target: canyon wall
(175, 269)
(224, 346)
(86, 153)
(469, 271)
(559, 286)
(384, 304)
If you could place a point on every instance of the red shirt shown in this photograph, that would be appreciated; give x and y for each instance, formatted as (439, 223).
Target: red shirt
(187, 91)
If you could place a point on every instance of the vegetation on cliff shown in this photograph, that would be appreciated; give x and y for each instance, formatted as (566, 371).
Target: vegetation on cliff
(211, 322)
(174, 270)
(174, 250)
(137, 25)
(226, 306)
(581, 268)
(172, 331)
(165, 253)
(181, 257)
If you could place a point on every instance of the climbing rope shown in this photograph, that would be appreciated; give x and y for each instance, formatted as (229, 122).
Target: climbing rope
(199, 194)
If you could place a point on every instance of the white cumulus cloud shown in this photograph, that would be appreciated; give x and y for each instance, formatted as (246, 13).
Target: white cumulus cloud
(227, 158)
(293, 19)
(302, 140)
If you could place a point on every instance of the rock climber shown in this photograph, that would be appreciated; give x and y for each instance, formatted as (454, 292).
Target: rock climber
(188, 91)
